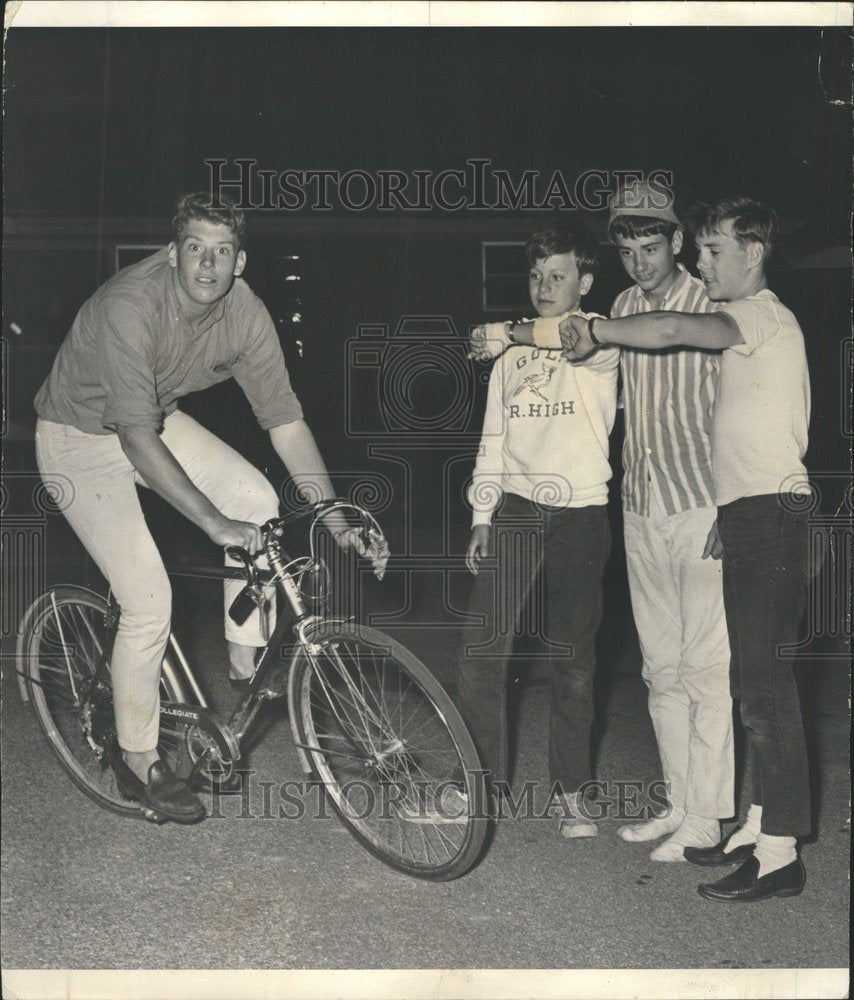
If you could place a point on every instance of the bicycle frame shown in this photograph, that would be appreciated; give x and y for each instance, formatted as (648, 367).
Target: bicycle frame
(300, 624)
(368, 720)
(298, 621)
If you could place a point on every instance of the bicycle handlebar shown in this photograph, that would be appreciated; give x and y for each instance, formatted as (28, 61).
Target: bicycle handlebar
(370, 532)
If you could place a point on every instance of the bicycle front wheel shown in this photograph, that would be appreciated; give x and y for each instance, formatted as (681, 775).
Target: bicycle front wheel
(391, 751)
(65, 636)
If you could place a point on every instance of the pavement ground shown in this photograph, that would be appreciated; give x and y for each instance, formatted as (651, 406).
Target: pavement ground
(85, 889)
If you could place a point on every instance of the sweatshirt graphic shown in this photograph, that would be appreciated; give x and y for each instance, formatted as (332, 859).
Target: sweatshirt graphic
(545, 430)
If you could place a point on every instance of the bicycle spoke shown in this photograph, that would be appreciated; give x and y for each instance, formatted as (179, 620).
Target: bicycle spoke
(357, 694)
(353, 700)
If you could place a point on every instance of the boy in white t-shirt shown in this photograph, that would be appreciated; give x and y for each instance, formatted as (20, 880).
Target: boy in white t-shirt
(759, 437)
(539, 495)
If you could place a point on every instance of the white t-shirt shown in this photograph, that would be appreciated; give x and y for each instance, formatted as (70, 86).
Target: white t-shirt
(759, 432)
(545, 431)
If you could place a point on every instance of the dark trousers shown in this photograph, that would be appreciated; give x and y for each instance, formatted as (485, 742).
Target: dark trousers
(572, 545)
(765, 543)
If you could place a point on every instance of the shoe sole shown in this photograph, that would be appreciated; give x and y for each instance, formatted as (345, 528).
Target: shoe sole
(747, 899)
(154, 813)
(719, 862)
(629, 839)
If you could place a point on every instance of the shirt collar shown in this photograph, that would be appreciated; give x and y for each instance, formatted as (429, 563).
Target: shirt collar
(682, 278)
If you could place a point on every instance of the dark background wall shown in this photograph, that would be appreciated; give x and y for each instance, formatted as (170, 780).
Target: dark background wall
(105, 128)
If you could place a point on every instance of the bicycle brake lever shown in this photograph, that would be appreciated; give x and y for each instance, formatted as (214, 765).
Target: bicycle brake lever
(273, 527)
(250, 570)
(238, 552)
(375, 538)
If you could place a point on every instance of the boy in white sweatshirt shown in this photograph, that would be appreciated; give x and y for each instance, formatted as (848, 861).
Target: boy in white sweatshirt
(539, 496)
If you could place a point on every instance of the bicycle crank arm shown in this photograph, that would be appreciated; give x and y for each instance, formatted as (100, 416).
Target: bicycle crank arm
(193, 715)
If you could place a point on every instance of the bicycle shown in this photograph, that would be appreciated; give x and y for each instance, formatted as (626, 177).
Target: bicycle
(370, 722)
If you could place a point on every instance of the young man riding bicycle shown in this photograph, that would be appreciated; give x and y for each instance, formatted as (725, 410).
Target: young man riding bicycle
(176, 322)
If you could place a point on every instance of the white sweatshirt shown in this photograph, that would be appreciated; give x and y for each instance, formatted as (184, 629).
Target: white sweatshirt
(545, 431)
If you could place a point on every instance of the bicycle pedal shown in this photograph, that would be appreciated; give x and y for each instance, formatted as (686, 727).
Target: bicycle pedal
(271, 693)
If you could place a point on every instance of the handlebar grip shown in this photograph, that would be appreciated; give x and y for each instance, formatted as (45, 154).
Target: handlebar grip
(238, 552)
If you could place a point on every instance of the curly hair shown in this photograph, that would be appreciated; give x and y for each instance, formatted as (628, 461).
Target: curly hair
(202, 205)
(560, 237)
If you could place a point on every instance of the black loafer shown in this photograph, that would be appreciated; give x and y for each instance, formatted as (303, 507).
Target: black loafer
(717, 855)
(743, 886)
(165, 795)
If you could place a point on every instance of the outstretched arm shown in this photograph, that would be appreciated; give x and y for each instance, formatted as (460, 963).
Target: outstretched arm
(711, 331)
(489, 340)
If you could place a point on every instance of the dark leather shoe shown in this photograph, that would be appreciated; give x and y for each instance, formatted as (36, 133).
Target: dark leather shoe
(717, 855)
(743, 886)
(167, 796)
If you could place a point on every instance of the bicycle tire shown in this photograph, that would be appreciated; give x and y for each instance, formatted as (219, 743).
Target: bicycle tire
(386, 742)
(63, 635)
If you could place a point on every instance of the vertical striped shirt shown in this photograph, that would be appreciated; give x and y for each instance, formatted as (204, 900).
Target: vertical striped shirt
(669, 397)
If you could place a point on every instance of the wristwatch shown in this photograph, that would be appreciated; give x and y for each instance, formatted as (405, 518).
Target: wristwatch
(590, 332)
(508, 329)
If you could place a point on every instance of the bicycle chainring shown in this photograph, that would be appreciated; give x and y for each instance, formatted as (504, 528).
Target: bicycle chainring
(198, 745)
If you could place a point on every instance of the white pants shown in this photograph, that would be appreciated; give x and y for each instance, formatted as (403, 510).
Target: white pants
(677, 600)
(105, 513)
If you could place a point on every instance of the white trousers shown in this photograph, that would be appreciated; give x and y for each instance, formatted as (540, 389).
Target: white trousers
(677, 600)
(105, 513)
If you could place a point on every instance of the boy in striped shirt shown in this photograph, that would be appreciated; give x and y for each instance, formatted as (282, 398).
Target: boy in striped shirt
(677, 596)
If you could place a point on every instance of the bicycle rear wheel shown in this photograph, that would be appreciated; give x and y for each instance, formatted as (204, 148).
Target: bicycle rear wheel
(65, 635)
(391, 750)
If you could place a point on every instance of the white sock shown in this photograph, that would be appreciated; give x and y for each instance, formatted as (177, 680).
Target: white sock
(773, 853)
(574, 823)
(652, 829)
(748, 831)
(694, 831)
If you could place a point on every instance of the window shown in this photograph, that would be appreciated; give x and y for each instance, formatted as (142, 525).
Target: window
(505, 277)
(130, 253)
